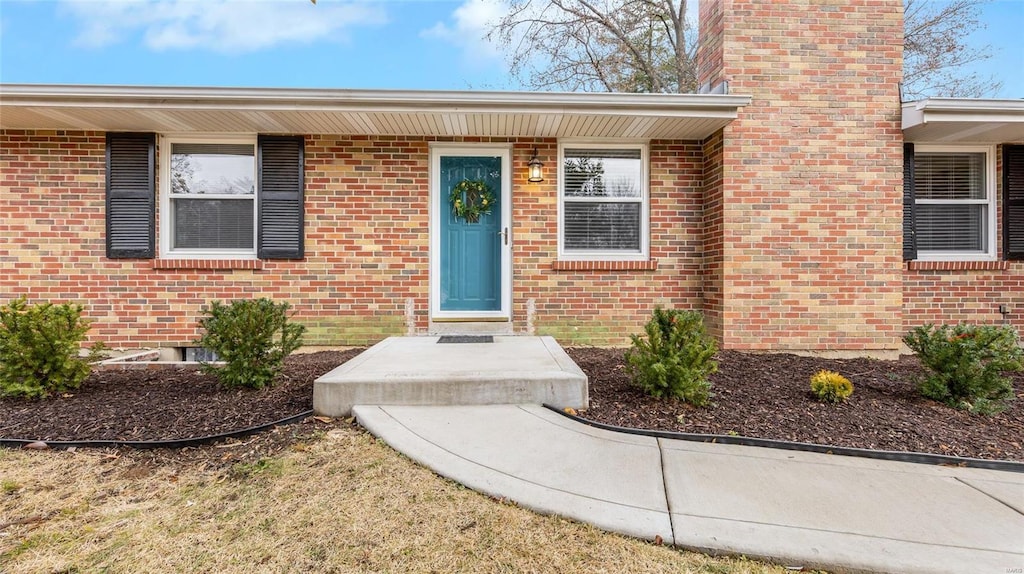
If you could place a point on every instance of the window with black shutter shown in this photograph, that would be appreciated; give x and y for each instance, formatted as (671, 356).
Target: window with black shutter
(1013, 202)
(131, 194)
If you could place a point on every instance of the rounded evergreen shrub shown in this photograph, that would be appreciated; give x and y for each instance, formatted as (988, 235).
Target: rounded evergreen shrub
(251, 337)
(966, 363)
(39, 349)
(674, 357)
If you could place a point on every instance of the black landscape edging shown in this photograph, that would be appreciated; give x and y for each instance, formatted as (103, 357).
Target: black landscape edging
(914, 457)
(175, 443)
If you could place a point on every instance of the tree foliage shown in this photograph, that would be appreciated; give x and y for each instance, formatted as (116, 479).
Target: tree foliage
(649, 46)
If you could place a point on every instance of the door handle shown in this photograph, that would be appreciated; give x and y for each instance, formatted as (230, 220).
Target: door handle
(504, 235)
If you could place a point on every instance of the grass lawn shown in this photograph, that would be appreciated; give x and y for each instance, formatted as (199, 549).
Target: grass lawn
(333, 500)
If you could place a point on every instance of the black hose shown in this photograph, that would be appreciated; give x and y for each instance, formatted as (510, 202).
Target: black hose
(915, 457)
(174, 443)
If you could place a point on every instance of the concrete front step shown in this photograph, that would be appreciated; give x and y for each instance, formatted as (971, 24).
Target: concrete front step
(470, 328)
(421, 371)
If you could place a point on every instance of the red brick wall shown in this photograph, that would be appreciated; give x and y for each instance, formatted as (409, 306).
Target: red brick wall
(812, 174)
(710, 66)
(367, 231)
(713, 231)
(940, 296)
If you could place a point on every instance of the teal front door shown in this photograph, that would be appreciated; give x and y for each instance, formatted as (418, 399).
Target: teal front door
(470, 265)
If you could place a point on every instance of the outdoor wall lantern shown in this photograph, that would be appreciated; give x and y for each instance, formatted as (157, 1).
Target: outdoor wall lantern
(536, 168)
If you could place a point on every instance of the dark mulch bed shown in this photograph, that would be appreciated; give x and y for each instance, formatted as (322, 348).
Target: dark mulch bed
(145, 405)
(768, 396)
(764, 396)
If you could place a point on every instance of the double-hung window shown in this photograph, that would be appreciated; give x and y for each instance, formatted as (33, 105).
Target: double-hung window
(954, 202)
(603, 201)
(210, 204)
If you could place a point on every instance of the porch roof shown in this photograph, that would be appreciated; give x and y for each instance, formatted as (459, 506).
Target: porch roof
(962, 120)
(370, 112)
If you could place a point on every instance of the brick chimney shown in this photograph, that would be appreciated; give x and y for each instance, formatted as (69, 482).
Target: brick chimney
(802, 220)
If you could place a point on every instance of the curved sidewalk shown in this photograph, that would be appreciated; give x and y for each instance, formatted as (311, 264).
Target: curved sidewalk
(795, 508)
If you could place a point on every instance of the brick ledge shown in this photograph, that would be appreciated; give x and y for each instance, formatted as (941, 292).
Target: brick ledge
(208, 264)
(647, 265)
(957, 265)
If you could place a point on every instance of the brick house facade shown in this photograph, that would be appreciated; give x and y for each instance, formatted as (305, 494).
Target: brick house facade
(779, 213)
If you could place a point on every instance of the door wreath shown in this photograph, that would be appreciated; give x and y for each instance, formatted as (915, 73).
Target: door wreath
(471, 198)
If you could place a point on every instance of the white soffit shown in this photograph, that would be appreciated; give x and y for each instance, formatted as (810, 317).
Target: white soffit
(957, 120)
(365, 112)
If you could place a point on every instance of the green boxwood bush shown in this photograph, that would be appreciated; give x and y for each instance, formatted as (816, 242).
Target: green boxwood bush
(252, 337)
(675, 357)
(39, 349)
(965, 364)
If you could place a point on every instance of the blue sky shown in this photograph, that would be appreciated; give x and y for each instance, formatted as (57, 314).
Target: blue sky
(292, 43)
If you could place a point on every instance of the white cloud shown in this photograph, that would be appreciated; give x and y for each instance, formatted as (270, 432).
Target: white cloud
(470, 22)
(220, 25)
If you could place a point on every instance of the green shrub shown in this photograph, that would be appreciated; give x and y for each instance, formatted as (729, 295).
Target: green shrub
(674, 359)
(39, 349)
(966, 363)
(252, 337)
(830, 387)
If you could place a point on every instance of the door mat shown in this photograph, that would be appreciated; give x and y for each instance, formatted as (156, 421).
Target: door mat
(466, 339)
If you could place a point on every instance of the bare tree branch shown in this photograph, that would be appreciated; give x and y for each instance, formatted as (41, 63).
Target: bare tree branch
(647, 46)
(936, 52)
(612, 45)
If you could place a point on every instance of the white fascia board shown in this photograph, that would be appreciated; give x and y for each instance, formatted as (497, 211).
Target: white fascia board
(282, 99)
(973, 110)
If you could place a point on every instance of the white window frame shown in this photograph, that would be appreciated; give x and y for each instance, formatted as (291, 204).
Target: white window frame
(645, 204)
(166, 229)
(991, 223)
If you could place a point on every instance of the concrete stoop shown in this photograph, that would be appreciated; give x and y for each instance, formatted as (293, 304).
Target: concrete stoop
(423, 371)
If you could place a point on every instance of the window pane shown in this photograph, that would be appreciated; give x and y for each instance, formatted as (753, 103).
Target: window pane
(213, 168)
(951, 227)
(602, 173)
(949, 175)
(611, 226)
(213, 223)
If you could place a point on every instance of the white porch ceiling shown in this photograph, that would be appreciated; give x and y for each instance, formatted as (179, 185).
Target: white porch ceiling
(414, 113)
(955, 120)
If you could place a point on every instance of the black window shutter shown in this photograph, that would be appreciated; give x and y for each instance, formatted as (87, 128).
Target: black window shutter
(1013, 201)
(280, 234)
(131, 195)
(909, 236)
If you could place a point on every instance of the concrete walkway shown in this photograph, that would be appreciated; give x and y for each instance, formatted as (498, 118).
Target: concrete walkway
(797, 509)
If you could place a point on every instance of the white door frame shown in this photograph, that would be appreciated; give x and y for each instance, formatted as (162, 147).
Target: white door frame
(438, 198)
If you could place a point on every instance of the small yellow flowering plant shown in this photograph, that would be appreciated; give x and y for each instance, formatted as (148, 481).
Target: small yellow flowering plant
(471, 198)
(831, 387)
